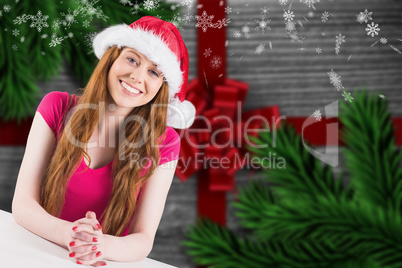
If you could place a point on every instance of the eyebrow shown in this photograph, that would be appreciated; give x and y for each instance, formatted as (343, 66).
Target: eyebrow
(133, 51)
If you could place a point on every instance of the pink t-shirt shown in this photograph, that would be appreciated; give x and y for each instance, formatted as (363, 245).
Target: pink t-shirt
(90, 190)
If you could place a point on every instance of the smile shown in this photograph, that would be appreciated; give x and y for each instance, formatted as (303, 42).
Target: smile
(130, 89)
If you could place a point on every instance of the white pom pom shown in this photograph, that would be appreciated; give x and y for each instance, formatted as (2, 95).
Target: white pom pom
(180, 115)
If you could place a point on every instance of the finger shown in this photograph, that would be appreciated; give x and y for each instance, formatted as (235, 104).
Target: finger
(99, 263)
(84, 250)
(86, 238)
(93, 222)
(90, 259)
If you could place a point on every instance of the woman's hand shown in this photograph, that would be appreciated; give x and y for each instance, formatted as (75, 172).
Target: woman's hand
(87, 241)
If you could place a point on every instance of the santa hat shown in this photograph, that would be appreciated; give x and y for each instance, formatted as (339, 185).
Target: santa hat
(160, 41)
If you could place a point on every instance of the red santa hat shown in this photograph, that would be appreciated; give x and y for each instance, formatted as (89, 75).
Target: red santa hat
(160, 41)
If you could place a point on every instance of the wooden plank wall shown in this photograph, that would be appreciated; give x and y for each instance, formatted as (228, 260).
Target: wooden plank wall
(285, 75)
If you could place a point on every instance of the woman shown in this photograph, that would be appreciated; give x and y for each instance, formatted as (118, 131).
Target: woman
(97, 168)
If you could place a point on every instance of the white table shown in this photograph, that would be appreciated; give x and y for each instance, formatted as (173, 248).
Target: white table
(20, 248)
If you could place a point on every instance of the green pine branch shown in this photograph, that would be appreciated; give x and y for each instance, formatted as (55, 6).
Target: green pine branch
(305, 218)
(370, 154)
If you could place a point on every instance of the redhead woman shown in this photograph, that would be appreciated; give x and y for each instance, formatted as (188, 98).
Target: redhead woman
(98, 167)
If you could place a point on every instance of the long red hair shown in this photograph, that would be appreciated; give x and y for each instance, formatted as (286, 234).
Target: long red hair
(126, 178)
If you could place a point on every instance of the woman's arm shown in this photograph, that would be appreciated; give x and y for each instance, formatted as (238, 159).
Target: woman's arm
(25, 207)
(148, 213)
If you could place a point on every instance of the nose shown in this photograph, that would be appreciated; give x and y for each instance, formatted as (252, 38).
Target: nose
(137, 75)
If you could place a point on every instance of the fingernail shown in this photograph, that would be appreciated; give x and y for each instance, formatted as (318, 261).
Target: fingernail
(75, 228)
(94, 239)
(72, 244)
(72, 254)
(98, 254)
(98, 226)
(103, 264)
(94, 248)
(78, 262)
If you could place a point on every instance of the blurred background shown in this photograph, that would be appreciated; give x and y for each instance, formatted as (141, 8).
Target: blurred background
(284, 64)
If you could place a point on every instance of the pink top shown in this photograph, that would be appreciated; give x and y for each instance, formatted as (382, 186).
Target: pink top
(90, 190)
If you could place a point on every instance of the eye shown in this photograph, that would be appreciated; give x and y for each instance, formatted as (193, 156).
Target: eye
(154, 73)
(131, 60)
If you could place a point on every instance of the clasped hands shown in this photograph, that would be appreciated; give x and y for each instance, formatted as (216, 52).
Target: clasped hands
(86, 241)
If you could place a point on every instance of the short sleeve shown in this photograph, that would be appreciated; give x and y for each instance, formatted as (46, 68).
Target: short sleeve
(170, 147)
(52, 107)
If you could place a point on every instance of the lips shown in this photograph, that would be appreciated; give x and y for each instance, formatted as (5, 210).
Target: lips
(130, 86)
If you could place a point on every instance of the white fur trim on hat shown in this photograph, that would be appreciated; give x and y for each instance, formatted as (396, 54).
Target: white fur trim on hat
(147, 43)
(180, 115)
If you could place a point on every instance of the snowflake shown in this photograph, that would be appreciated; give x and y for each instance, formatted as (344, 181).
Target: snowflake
(43, 53)
(294, 36)
(260, 48)
(186, 2)
(290, 26)
(204, 21)
(335, 80)
(317, 115)
(69, 18)
(22, 19)
(16, 32)
(221, 23)
(22, 39)
(14, 47)
(364, 16)
(216, 62)
(87, 8)
(237, 34)
(173, 7)
(310, 3)
(228, 10)
(89, 38)
(246, 30)
(85, 23)
(283, 2)
(383, 41)
(207, 52)
(151, 4)
(6, 8)
(43, 36)
(324, 16)
(124, 2)
(372, 29)
(264, 11)
(339, 39)
(134, 9)
(310, 14)
(55, 41)
(318, 50)
(288, 15)
(39, 21)
(347, 96)
(263, 24)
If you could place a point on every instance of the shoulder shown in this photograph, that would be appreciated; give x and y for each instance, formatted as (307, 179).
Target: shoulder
(172, 137)
(169, 145)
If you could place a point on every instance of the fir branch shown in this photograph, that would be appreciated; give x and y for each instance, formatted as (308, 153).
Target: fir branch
(304, 176)
(370, 154)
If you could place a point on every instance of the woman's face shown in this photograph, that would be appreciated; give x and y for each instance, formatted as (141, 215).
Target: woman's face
(133, 80)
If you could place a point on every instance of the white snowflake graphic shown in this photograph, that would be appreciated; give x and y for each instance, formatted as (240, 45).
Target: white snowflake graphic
(151, 4)
(294, 36)
(310, 3)
(124, 2)
(186, 2)
(260, 48)
(89, 38)
(372, 29)
(246, 30)
(55, 41)
(290, 26)
(325, 16)
(204, 21)
(216, 62)
(14, 47)
(207, 52)
(318, 50)
(85, 23)
(288, 15)
(22, 19)
(264, 11)
(383, 41)
(228, 10)
(335, 80)
(263, 25)
(317, 115)
(283, 2)
(69, 18)
(6, 8)
(339, 39)
(237, 34)
(43, 36)
(134, 9)
(39, 21)
(347, 96)
(310, 14)
(16, 32)
(87, 9)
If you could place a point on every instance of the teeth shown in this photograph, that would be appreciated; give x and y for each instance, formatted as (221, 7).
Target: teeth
(132, 90)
